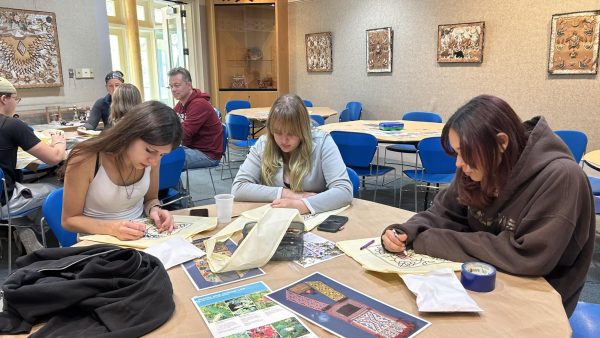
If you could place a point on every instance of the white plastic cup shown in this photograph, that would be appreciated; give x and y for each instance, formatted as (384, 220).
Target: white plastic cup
(224, 207)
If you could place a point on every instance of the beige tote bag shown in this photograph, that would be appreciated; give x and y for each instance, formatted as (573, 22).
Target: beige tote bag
(260, 243)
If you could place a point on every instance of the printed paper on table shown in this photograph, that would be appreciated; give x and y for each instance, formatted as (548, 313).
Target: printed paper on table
(344, 311)
(316, 250)
(199, 272)
(245, 312)
(375, 258)
(185, 227)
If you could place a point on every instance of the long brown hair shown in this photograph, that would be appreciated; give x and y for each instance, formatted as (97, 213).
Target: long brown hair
(477, 124)
(288, 114)
(152, 121)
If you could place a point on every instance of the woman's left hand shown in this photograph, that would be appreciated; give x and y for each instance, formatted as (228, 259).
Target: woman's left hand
(162, 219)
(290, 203)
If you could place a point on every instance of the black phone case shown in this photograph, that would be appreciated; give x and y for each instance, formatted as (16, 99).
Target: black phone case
(199, 212)
(333, 223)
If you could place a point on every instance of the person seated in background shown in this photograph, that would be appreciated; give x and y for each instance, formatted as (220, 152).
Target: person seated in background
(124, 98)
(292, 166)
(101, 109)
(202, 129)
(518, 202)
(15, 133)
(112, 179)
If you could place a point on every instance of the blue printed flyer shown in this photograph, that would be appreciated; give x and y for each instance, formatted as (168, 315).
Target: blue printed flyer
(245, 312)
(344, 311)
(200, 274)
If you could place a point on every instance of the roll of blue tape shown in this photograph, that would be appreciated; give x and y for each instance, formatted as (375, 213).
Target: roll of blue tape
(478, 276)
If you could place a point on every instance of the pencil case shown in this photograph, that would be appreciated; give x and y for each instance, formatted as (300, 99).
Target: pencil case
(391, 125)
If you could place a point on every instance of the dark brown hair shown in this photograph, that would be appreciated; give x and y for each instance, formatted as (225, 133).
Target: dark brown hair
(477, 124)
(152, 121)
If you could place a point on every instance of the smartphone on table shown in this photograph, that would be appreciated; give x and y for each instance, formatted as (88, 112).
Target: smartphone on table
(333, 223)
(199, 212)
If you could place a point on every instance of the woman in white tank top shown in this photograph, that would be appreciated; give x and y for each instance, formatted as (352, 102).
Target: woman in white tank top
(113, 178)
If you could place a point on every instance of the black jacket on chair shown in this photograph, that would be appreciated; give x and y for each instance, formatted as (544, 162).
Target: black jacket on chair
(92, 291)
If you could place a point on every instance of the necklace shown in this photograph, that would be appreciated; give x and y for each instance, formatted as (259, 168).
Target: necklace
(127, 193)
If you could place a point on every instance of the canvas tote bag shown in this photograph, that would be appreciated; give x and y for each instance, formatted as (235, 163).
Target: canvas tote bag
(260, 243)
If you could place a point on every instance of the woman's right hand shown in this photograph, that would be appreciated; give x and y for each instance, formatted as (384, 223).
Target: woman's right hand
(129, 230)
(393, 241)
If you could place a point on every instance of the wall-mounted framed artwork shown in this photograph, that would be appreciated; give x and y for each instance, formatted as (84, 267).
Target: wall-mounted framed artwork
(574, 43)
(462, 42)
(29, 52)
(379, 50)
(319, 47)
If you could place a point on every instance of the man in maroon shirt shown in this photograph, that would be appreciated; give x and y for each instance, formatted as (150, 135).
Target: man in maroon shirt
(202, 129)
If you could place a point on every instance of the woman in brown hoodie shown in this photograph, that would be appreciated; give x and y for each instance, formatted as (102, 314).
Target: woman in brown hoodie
(519, 201)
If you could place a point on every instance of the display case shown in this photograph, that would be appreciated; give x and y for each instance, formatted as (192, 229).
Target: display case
(248, 50)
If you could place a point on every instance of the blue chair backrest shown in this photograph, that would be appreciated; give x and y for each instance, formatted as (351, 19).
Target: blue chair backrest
(236, 104)
(355, 181)
(225, 138)
(345, 115)
(238, 126)
(576, 141)
(171, 166)
(434, 158)
(357, 149)
(355, 109)
(585, 320)
(422, 116)
(307, 103)
(52, 211)
(218, 111)
(318, 119)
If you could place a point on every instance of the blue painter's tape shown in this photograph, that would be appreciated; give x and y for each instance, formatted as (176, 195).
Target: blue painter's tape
(478, 276)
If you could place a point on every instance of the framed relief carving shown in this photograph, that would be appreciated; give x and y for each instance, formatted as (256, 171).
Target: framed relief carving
(379, 50)
(29, 52)
(574, 43)
(319, 52)
(462, 42)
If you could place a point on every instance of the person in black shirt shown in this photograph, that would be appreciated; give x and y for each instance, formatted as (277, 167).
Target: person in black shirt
(14, 133)
(101, 109)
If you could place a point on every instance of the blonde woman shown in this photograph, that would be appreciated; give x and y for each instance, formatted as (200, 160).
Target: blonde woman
(125, 97)
(293, 166)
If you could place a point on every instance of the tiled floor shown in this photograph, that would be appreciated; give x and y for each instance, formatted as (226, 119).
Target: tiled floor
(202, 193)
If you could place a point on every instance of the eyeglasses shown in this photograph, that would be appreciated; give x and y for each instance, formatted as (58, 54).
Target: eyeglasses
(17, 99)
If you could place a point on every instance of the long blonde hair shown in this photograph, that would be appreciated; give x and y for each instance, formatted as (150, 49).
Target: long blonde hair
(125, 97)
(288, 114)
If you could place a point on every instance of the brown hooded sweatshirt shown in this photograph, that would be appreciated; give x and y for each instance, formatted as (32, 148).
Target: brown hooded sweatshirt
(541, 224)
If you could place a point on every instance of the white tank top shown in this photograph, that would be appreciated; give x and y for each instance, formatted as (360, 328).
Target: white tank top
(106, 200)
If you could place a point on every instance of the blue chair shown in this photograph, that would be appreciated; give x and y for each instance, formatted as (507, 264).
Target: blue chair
(595, 183)
(307, 103)
(409, 148)
(357, 150)
(355, 109)
(171, 166)
(52, 212)
(236, 104)
(585, 320)
(345, 115)
(597, 204)
(438, 167)
(355, 181)
(218, 111)
(239, 129)
(576, 141)
(318, 119)
(8, 216)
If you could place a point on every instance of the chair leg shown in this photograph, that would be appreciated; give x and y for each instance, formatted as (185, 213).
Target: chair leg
(416, 196)
(212, 181)
(426, 196)
(43, 233)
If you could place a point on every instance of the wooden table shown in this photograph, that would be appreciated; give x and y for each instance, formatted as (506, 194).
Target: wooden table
(27, 161)
(413, 131)
(518, 307)
(262, 114)
(593, 159)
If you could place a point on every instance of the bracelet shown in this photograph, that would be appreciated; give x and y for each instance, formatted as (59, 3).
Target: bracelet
(150, 209)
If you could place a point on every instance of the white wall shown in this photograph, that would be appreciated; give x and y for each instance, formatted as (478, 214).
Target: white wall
(83, 41)
(514, 67)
